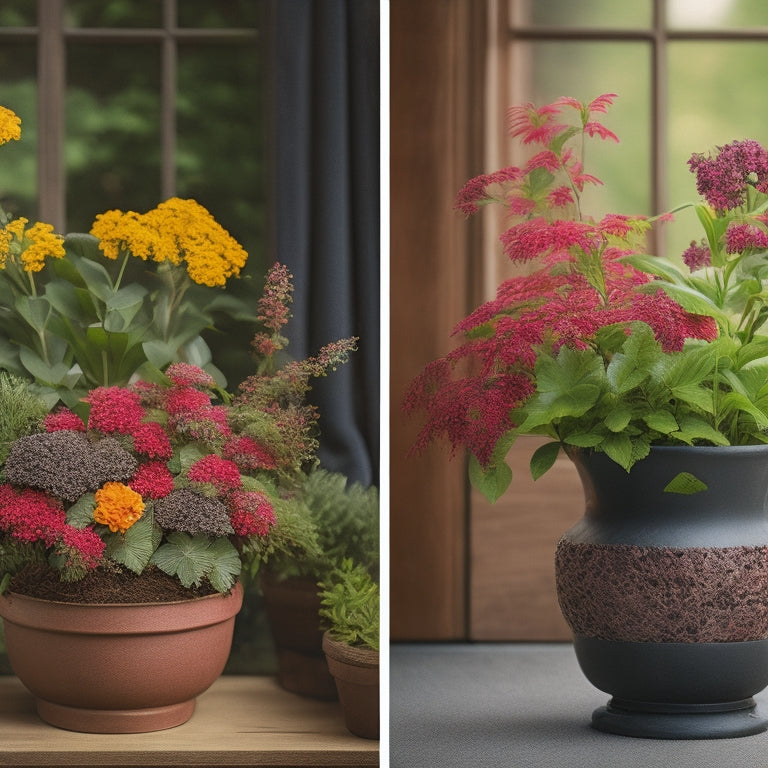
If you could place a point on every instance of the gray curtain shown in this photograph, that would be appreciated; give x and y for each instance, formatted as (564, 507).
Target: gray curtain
(325, 154)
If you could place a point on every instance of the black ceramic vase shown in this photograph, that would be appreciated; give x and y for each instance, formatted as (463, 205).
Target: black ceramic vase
(667, 594)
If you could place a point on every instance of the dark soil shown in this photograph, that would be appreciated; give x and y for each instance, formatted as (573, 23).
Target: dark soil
(104, 586)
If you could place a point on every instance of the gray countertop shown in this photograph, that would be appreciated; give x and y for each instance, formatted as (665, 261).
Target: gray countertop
(524, 705)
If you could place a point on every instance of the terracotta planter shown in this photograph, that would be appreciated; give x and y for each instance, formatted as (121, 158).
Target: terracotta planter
(118, 668)
(292, 606)
(356, 671)
(666, 593)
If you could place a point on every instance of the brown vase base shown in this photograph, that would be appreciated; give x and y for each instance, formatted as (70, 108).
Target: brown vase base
(115, 720)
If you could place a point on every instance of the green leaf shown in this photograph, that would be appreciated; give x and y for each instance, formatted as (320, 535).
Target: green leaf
(584, 439)
(568, 385)
(543, 458)
(694, 429)
(123, 306)
(226, 565)
(662, 421)
(695, 395)
(619, 449)
(189, 558)
(80, 514)
(685, 483)
(618, 419)
(491, 482)
(96, 278)
(36, 310)
(134, 548)
(691, 300)
(40, 370)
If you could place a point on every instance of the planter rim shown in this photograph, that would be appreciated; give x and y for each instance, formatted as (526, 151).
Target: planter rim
(367, 657)
(122, 618)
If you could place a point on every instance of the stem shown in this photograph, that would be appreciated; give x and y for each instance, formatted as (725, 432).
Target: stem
(122, 270)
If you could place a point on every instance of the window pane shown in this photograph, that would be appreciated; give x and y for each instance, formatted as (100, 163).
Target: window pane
(218, 13)
(584, 71)
(115, 13)
(709, 107)
(596, 13)
(18, 13)
(717, 13)
(18, 159)
(113, 130)
(220, 163)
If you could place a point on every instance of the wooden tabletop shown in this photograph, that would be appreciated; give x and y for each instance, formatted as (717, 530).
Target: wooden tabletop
(239, 721)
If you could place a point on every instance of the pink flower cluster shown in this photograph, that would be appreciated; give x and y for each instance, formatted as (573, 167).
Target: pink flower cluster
(32, 516)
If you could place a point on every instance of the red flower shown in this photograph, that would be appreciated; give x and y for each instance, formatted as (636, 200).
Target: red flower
(251, 513)
(248, 454)
(63, 419)
(221, 473)
(151, 440)
(152, 480)
(185, 400)
(114, 409)
(188, 375)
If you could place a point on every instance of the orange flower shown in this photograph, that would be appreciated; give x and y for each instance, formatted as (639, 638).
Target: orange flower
(117, 506)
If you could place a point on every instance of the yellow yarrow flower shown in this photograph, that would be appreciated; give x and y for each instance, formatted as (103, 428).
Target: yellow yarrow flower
(45, 243)
(10, 125)
(177, 230)
(34, 245)
(118, 506)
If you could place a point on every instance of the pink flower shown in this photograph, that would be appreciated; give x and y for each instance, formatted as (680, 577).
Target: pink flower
(697, 255)
(221, 473)
(86, 542)
(63, 419)
(152, 480)
(114, 409)
(185, 400)
(251, 513)
(151, 440)
(188, 375)
(248, 454)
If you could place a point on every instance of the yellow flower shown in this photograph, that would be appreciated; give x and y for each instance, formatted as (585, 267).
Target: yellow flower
(45, 242)
(177, 230)
(117, 506)
(10, 126)
(34, 244)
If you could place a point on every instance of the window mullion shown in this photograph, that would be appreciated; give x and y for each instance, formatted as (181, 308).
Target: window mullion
(168, 100)
(51, 62)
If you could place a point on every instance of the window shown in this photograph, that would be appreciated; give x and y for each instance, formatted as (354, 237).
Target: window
(126, 103)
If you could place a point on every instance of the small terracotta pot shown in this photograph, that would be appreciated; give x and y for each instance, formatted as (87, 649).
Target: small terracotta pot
(356, 671)
(118, 668)
(292, 606)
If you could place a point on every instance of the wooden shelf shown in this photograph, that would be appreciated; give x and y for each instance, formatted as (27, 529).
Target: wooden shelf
(239, 721)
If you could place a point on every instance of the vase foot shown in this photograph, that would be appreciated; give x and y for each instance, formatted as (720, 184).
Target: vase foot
(115, 720)
(683, 721)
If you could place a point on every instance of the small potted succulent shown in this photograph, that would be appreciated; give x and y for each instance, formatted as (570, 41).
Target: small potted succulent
(345, 519)
(350, 612)
(649, 372)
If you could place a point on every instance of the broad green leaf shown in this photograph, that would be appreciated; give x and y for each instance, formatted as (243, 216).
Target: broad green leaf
(189, 558)
(491, 482)
(123, 306)
(694, 395)
(80, 514)
(685, 483)
(568, 385)
(619, 448)
(584, 439)
(662, 421)
(135, 547)
(36, 310)
(543, 458)
(618, 419)
(694, 429)
(40, 370)
(692, 300)
(96, 278)
(226, 565)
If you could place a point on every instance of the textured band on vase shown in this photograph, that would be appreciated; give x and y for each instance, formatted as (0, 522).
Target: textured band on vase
(663, 594)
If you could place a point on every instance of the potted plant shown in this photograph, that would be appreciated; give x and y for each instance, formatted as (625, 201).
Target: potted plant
(133, 510)
(631, 361)
(345, 518)
(350, 610)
